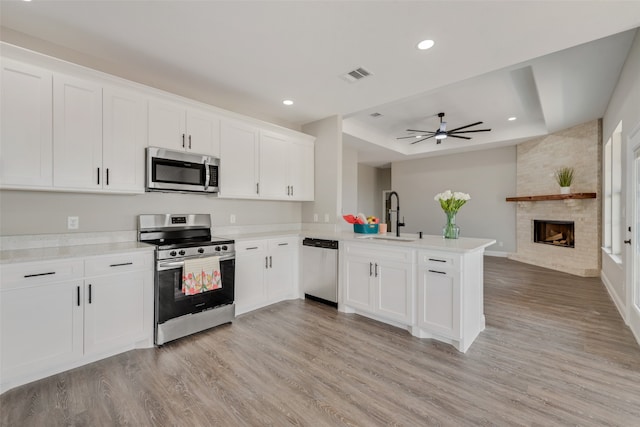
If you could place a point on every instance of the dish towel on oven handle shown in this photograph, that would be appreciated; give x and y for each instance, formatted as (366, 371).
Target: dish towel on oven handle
(201, 275)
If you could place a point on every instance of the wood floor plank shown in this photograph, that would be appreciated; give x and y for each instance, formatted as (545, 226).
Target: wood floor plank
(555, 352)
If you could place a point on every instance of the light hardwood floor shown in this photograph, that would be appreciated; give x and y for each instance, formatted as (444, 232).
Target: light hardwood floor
(555, 352)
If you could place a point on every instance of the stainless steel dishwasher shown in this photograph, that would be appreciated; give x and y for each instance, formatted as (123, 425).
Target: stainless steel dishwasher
(320, 270)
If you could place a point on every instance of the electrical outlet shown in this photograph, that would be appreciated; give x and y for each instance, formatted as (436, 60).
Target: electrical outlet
(73, 222)
(315, 217)
(232, 218)
(326, 217)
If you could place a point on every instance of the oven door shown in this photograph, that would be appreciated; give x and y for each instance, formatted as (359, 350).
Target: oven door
(172, 303)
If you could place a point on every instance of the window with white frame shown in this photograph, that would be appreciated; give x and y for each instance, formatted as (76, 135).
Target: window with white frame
(612, 175)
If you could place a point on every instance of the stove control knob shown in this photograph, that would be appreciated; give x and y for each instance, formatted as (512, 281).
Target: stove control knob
(172, 253)
(200, 250)
(217, 248)
(224, 248)
(182, 252)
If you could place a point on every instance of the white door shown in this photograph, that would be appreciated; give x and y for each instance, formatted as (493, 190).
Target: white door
(77, 133)
(167, 125)
(238, 160)
(274, 165)
(27, 157)
(439, 302)
(280, 274)
(394, 286)
(357, 280)
(301, 171)
(633, 264)
(203, 130)
(124, 140)
(114, 317)
(251, 266)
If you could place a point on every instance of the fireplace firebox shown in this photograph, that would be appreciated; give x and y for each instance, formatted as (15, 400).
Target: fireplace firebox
(556, 233)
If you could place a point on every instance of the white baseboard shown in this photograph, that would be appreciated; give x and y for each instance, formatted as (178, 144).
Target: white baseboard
(614, 296)
(496, 254)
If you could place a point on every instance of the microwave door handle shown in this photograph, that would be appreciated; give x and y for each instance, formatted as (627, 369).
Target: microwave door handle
(207, 174)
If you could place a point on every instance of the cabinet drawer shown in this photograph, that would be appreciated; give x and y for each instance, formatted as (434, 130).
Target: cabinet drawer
(29, 273)
(250, 246)
(120, 263)
(283, 243)
(439, 260)
(377, 251)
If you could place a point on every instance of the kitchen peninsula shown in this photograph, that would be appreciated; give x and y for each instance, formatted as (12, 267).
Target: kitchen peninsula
(431, 286)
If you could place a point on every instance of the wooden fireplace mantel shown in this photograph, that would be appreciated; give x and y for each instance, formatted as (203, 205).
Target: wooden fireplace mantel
(572, 196)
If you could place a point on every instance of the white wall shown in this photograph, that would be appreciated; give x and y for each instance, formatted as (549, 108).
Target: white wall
(33, 212)
(328, 170)
(489, 176)
(367, 189)
(624, 106)
(350, 188)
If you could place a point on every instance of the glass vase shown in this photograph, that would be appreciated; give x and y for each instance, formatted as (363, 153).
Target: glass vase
(451, 230)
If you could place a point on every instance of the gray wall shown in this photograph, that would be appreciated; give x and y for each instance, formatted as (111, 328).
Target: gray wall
(350, 183)
(328, 170)
(372, 182)
(33, 212)
(489, 176)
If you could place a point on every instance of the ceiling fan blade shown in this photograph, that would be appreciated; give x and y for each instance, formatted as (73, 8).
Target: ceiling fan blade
(461, 137)
(406, 137)
(467, 131)
(420, 140)
(467, 126)
(421, 131)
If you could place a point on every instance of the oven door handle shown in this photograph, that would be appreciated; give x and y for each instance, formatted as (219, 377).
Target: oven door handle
(179, 264)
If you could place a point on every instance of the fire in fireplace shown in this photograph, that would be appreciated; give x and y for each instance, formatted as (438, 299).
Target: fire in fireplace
(556, 233)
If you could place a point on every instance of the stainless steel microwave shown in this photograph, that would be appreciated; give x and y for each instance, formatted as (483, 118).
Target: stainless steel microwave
(170, 170)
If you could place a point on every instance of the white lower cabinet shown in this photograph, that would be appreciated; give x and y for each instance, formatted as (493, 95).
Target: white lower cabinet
(266, 272)
(379, 281)
(54, 317)
(438, 297)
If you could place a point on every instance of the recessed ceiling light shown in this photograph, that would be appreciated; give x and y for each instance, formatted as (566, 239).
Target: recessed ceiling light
(287, 102)
(425, 44)
(512, 119)
(418, 136)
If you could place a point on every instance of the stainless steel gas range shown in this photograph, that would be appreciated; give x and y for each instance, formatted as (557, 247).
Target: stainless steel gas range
(181, 240)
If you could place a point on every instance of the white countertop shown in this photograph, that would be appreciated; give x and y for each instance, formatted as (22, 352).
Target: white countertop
(75, 251)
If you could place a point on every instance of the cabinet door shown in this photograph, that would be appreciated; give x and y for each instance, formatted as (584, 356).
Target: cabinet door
(167, 125)
(124, 140)
(439, 301)
(251, 266)
(301, 171)
(274, 165)
(358, 283)
(394, 290)
(280, 276)
(203, 130)
(238, 160)
(114, 311)
(41, 327)
(77, 133)
(26, 136)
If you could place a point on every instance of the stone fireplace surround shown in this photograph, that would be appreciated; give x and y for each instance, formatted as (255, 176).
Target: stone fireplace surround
(579, 147)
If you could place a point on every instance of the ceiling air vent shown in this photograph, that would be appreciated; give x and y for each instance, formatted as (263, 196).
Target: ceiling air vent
(375, 114)
(355, 75)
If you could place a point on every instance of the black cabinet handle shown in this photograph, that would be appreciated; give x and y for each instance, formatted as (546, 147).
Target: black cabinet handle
(292, 190)
(89, 293)
(628, 242)
(183, 140)
(121, 264)
(189, 142)
(78, 295)
(98, 176)
(370, 267)
(107, 176)
(282, 244)
(376, 269)
(252, 247)
(437, 260)
(435, 271)
(257, 188)
(266, 262)
(39, 274)
(270, 262)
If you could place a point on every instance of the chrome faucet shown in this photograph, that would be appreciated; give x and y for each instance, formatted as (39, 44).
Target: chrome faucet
(397, 211)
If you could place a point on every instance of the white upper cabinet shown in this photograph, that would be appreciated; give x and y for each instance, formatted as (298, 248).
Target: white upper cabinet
(274, 162)
(176, 127)
(238, 160)
(124, 140)
(301, 170)
(77, 133)
(26, 158)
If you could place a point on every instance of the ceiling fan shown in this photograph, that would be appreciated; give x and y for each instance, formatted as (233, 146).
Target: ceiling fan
(442, 132)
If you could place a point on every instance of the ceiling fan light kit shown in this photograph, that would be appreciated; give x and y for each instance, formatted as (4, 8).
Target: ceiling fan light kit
(442, 132)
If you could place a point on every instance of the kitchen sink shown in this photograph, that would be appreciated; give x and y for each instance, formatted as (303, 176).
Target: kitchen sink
(389, 238)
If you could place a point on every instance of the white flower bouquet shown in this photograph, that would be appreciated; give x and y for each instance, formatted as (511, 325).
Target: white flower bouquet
(452, 201)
